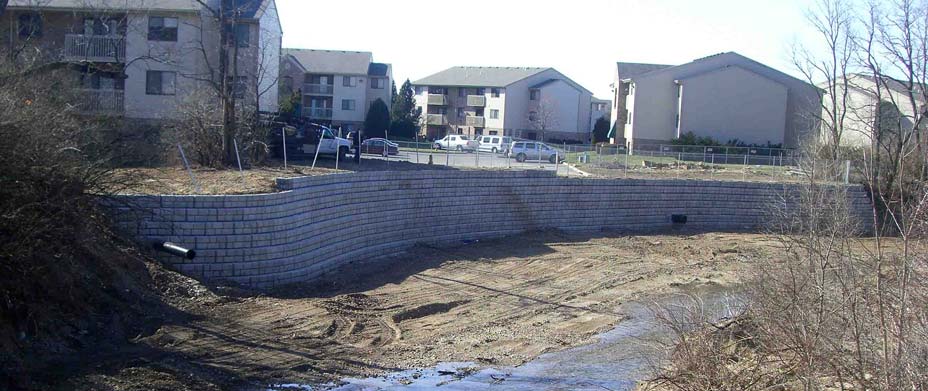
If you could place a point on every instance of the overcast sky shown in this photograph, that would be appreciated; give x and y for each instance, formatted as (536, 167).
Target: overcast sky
(581, 38)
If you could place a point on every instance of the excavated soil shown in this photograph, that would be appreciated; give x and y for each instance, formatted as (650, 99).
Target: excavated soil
(499, 302)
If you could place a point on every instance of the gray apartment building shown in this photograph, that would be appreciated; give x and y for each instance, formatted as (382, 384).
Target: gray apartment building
(532, 103)
(143, 58)
(336, 87)
(725, 96)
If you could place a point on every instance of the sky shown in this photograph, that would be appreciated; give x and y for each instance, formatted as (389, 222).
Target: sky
(582, 39)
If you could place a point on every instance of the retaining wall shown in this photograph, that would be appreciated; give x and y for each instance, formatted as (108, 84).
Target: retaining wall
(317, 223)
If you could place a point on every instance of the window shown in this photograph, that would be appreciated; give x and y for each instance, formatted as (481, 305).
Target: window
(162, 29)
(242, 35)
(462, 92)
(533, 95)
(532, 115)
(348, 104)
(460, 112)
(494, 113)
(481, 91)
(530, 145)
(159, 83)
(95, 26)
(419, 90)
(628, 118)
(478, 111)
(494, 92)
(493, 132)
(495, 140)
(378, 83)
(239, 85)
(348, 81)
(30, 25)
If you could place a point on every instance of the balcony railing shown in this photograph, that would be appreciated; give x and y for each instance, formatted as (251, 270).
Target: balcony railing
(476, 100)
(98, 48)
(326, 89)
(317, 112)
(101, 101)
(474, 121)
(437, 119)
(438, 99)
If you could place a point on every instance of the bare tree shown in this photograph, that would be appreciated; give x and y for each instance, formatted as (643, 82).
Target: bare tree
(543, 116)
(833, 23)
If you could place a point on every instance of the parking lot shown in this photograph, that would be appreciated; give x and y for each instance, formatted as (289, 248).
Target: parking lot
(467, 159)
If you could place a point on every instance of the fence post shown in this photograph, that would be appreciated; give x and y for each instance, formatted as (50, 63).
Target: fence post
(196, 187)
(744, 169)
(847, 171)
(239, 160)
(283, 135)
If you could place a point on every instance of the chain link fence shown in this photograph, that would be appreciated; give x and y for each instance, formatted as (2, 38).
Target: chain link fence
(611, 161)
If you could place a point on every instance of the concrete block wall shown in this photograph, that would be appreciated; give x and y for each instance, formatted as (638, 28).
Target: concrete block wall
(317, 223)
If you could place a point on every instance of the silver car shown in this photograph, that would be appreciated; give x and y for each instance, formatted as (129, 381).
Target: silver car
(533, 150)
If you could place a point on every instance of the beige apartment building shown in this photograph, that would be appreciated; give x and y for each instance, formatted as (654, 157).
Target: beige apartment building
(532, 103)
(336, 87)
(725, 96)
(143, 59)
(863, 106)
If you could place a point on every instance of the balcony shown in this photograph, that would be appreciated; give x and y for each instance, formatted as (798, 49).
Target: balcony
(438, 99)
(317, 112)
(476, 100)
(95, 48)
(324, 89)
(105, 102)
(437, 119)
(477, 122)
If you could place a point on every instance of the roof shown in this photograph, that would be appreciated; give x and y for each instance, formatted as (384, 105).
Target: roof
(142, 5)
(331, 61)
(478, 76)
(628, 70)
(729, 67)
(245, 8)
(378, 69)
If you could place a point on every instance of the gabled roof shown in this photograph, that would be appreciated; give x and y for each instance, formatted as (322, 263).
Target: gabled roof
(140, 5)
(729, 67)
(244, 8)
(478, 76)
(628, 70)
(331, 61)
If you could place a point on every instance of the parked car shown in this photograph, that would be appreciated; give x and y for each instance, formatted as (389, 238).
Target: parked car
(376, 146)
(533, 150)
(495, 144)
(456, 142)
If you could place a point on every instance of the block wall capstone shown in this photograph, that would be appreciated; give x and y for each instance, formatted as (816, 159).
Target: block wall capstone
(317, 223)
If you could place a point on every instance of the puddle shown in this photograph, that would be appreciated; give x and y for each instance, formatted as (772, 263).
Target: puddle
(616, 361)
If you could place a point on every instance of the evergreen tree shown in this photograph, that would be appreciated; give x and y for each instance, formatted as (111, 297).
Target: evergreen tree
(377, 120)
(405, 113)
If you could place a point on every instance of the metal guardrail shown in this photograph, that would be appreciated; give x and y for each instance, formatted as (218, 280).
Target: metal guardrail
(326, 89)
(101, 101)
(102, 48)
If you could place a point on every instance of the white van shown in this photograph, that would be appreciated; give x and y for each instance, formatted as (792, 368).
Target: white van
(495, 144)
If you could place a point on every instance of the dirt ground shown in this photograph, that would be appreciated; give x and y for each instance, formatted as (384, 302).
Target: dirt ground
(499, 302)
(253, 180)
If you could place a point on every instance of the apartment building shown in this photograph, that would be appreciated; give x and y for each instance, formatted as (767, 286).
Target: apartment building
(599, 108)
(863, 106)
(336, 87)
(145, 58)
(725, 96)
(532, 103)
